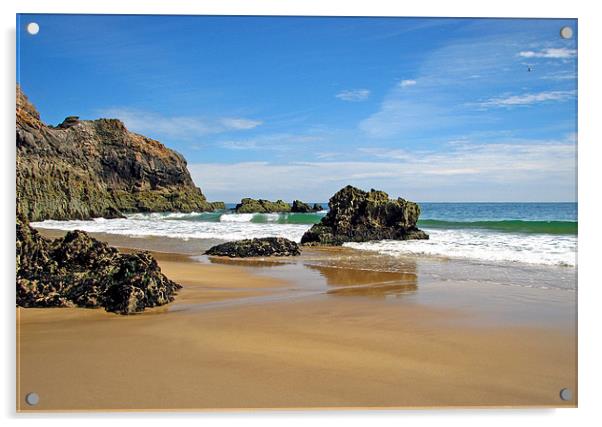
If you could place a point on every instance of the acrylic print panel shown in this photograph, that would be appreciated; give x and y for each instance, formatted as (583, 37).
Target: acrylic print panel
(221, 212)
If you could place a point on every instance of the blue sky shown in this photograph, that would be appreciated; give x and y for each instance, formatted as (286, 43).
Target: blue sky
(294, 107)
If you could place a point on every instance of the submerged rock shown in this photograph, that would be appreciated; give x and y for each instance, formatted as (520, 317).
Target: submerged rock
(301, 207)
(78, 270)
(248, 205)
(267, 246)
(359, 216)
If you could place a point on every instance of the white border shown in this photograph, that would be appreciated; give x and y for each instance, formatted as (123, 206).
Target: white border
(590, 295)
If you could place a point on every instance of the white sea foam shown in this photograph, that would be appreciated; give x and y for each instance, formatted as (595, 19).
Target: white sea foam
(271, 217)
(542, 249)
(234, 227)
(480, 245)
(234, 217)
(161, 215)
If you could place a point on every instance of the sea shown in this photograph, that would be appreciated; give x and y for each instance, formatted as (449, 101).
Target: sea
(543, 234)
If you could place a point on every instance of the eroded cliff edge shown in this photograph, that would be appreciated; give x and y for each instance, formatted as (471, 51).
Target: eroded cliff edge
(96, 168)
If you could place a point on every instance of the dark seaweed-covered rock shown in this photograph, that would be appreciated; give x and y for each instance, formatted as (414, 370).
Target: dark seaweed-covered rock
(267, 246)
(248, 205)
(82, 169)
(78, 270)
(301, 207)
(359, 216)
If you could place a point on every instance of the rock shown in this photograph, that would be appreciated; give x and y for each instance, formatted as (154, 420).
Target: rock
(267, 246)
(78, 270)
(217, 206)
(69, 122)
(359, 216)
(96, 168)
(300, 207)
(248, 205)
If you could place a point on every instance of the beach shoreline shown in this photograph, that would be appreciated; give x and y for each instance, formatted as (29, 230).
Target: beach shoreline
(324, 330)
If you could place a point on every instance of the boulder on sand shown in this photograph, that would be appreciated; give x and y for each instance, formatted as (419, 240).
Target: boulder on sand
(77, 270)
(359, 216)
(267, 246)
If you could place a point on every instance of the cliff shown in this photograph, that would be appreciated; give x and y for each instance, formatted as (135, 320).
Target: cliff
(96, 168)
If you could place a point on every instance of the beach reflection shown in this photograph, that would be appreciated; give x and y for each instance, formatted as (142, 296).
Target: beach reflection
(248, 262)
(358, 282)
(337, 271)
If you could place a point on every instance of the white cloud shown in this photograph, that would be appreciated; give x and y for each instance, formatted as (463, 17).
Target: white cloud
(398, 116)
(556, 53)
(523, 170)
(405, 83)
(180, 127)
(239, 123)
(275, 142)
(560, 76)
(448, 79)
(353, 95)
(527, 99)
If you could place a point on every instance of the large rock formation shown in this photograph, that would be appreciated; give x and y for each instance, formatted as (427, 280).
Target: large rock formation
(78, 270)
(359, 216)
(92, 168)
(267, 246)
(248, 205)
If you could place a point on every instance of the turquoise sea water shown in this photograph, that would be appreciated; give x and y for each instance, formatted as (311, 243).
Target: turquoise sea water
(549, 218)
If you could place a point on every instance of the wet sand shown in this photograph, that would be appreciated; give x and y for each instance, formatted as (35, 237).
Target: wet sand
(300, 334)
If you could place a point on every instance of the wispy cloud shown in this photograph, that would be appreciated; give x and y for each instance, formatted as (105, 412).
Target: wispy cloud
(179, 127)
(560, 76)
(452, 80)
(556, 53)
(477, 171)
(405, 83)
(353, 95)
(527, 99)
(398, 115)
(239, 123)
(272, 142)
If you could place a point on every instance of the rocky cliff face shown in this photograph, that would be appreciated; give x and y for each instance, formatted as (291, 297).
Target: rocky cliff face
(359, 216)
(84, 169)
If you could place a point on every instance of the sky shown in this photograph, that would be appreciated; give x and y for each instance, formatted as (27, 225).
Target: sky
(298, 107)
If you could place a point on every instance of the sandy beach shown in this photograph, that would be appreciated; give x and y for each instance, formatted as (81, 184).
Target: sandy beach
(320, 331)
